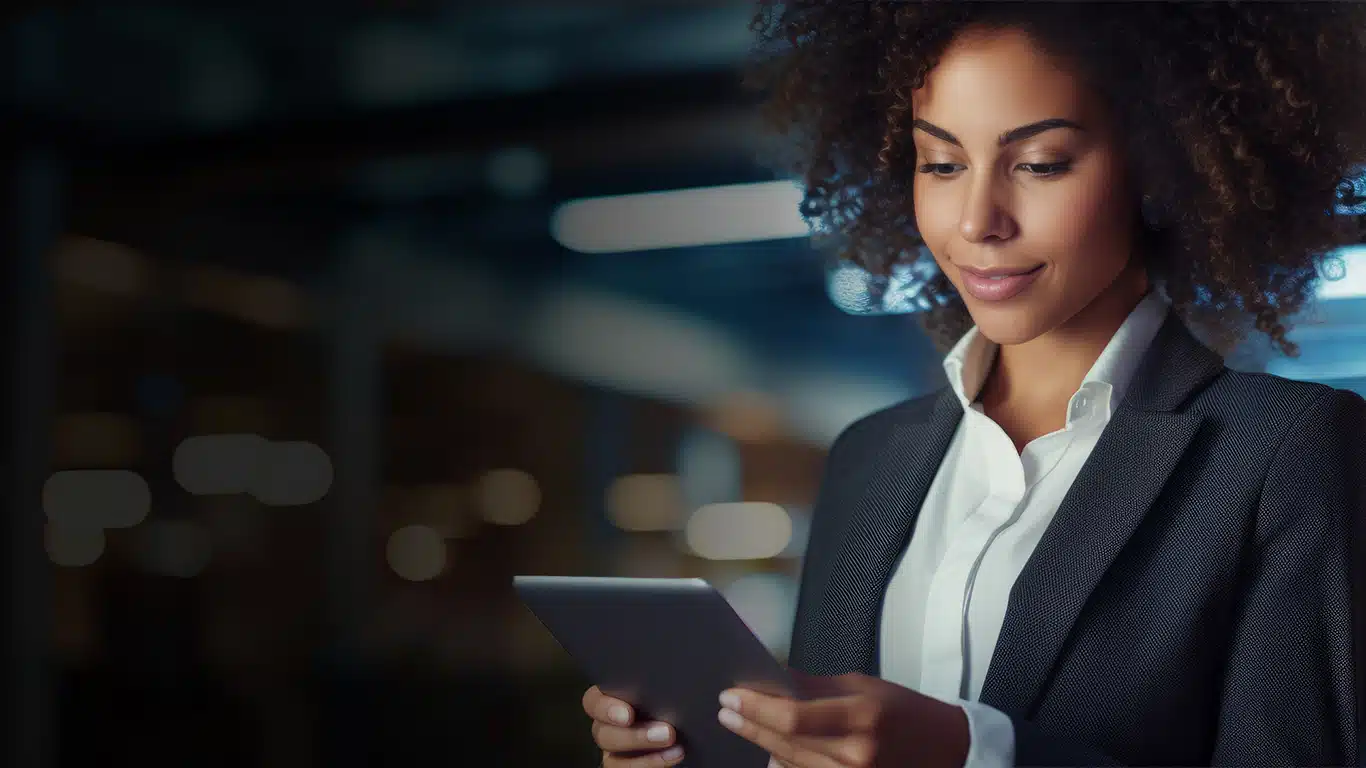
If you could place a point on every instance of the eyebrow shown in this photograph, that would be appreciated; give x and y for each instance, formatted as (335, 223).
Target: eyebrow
(1009, 137)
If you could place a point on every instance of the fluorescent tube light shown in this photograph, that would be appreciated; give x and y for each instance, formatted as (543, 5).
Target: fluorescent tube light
(736, 213)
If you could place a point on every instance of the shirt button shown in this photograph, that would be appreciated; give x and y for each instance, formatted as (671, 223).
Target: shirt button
(1079, 408)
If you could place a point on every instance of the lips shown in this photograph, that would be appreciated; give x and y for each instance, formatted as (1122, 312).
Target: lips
(1001, 271)
(998, 283)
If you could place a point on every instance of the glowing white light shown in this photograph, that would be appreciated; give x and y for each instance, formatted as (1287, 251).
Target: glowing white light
(645, 503)
(1329, 354)
(73, 547)
(212, 464)
(1353, 194)
(860, 292)
(767, 602)
(738, 531)
(1351, 285)
(801, 532)
(508, 497)
(709, 468)
(96, 498)
(635, 347)
(416, 553)
(735, 213)
(821, 403)
(292, 474)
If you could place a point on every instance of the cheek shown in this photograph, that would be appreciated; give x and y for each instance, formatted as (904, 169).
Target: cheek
(1084, 226)
(936, 219)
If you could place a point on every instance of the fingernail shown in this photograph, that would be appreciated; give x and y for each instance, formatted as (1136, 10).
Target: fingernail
(730, 719)
(658, 733)
(619, 715)
(730, 701)
(673, 753)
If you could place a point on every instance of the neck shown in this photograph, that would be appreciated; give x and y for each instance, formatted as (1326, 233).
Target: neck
(1050, 368)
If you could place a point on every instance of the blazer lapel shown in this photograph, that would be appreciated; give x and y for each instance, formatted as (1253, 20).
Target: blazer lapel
(876, 534)
(1137, 452)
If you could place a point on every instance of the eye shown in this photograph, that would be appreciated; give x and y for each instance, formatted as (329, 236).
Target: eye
(939, 169)
(1046, 169)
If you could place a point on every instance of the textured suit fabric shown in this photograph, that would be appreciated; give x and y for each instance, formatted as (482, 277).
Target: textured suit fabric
(1194, 600)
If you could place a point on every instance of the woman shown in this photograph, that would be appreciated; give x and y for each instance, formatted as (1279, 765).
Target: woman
(1097, 545)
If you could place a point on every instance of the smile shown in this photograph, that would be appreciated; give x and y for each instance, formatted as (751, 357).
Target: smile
(998, 283)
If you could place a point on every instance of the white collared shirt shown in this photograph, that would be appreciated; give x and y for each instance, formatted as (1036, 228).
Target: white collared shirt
(981, 520)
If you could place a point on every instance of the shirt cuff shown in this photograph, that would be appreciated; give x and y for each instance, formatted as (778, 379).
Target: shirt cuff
(991, 737)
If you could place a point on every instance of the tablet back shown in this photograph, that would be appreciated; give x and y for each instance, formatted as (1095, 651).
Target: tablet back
(667, 646)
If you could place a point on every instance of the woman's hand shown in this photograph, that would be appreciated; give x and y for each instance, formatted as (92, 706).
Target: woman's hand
(625, 744)
(850, 721)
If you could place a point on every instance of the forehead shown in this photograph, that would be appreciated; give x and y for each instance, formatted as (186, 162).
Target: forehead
(989, 81)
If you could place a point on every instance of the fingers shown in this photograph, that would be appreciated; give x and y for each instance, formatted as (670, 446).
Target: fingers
(626, 744)
(605, 709)
(671, 756)
(649, 736)
(783, 749)
(814, 734)
(806, 719)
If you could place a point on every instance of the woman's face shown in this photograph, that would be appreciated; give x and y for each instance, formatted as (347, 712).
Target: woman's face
(1020, 190)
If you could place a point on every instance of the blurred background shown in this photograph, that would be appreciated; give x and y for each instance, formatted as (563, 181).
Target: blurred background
(324, 321)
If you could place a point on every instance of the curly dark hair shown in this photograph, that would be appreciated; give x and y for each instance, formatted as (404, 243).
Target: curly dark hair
(1244, 126)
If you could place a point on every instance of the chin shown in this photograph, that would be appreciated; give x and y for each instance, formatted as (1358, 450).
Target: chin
(1007, 327)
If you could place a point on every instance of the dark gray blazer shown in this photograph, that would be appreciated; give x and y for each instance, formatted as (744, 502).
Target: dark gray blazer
(1194, 600)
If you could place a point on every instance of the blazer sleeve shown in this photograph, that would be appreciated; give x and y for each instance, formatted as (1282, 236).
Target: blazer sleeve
(1293, 677)
(1293, 682)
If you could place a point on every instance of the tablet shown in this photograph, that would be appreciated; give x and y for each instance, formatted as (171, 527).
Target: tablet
(667, 646)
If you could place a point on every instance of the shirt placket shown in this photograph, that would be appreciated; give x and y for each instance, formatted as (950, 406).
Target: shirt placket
(942, 659)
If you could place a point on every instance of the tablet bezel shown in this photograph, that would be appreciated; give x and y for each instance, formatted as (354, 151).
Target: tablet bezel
(668, 646)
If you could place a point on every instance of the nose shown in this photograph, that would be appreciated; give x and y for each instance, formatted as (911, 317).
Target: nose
(984, 217)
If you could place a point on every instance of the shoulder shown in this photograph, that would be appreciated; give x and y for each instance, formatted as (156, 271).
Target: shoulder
(1286, 410)
(1291, 428)
(1321, 429)
(1314, 442)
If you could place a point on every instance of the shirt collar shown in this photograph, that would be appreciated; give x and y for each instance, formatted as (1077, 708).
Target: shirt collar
(970, 360)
